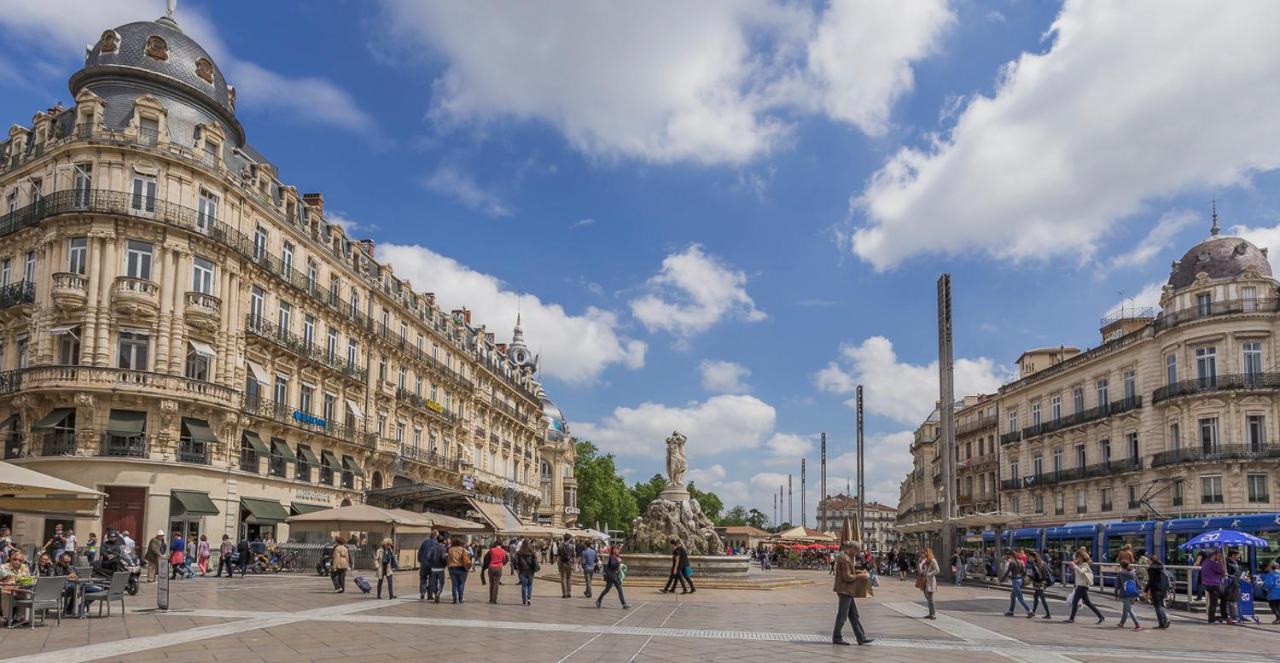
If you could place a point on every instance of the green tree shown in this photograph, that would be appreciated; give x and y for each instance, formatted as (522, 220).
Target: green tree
(734, 517)
(603, 496)
(756, 519)
(645, 492)
(710, 502)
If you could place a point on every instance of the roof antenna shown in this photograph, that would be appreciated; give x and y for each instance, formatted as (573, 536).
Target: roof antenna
(1214, 230)
(171, 7)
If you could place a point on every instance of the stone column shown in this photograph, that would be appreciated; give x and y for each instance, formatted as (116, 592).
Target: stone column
(107, 267)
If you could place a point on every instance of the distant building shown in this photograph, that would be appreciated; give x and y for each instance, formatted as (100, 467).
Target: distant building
(742, 536)
(878, 532)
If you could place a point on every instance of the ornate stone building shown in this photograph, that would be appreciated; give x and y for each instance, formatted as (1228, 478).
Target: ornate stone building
(187, 333)
(879, 532)
(977, 457)
(918, 497)
(1173, 414)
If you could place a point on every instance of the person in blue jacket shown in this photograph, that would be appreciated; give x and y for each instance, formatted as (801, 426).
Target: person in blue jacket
(426, 553)
(1271, 585)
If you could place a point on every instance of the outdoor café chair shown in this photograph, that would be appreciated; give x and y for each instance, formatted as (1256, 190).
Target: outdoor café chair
(46, 594)
(114, 591)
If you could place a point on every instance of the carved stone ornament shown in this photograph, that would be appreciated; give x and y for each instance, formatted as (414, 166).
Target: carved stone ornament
(157, 48)
(109, 42)
(204, 69)
(85, 400)
(167, 410)
(231, 96)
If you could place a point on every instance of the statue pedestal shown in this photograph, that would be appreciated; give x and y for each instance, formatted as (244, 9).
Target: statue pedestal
(674, 493)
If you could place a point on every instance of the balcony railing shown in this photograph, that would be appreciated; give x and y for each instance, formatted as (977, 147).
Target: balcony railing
(58, 443)
(1236, 382)
(282, 413)
(1215, 309)
(426, 405)
(297, 345)
(192, 451)
(1224, 452)
(124, 447)
(11, 381)
(983, 422)
(105, 377)
(16, 294)
(431, 457)
(1110, 468)
(1011, 437)
(1085, 416)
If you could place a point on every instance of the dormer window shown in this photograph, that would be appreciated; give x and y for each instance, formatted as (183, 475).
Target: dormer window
(109, 42)
(204, 69)
(157, 48)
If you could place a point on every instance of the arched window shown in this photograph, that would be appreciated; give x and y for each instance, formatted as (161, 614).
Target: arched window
(545, 468)
(376, 480)
(157, 48)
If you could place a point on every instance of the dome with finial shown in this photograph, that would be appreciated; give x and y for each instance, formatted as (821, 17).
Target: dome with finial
(557, 425)
(1219, 257)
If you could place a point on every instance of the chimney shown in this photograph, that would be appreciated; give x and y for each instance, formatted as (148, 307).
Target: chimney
(367, 245)
(466, 315)
(315, 200)
(431, 298)
(502, 348)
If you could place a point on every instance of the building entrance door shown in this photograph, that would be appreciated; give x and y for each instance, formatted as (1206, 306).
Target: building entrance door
(123, 510)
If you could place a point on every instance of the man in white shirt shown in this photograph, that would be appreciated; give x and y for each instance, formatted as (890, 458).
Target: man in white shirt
(127, 545)
(70, 541)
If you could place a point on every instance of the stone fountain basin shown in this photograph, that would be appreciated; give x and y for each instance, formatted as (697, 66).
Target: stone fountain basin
(708, 566)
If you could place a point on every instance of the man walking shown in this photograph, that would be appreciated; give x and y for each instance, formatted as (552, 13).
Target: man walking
(425, 550)
(846, 575)
(565, 561)
(438, 561)
(156, 549)
(589, 560)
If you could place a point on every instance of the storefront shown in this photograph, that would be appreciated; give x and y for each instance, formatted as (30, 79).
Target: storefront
(187, 509)
(259, 518)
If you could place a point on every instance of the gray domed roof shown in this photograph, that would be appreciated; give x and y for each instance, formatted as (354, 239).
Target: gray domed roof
(1220, 258)
(558, 426)
(158, 51)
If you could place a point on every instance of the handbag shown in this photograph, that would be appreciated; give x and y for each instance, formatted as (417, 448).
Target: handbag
(922, 582)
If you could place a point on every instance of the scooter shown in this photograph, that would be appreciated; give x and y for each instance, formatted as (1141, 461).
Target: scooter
(106, 568)
(325, 566)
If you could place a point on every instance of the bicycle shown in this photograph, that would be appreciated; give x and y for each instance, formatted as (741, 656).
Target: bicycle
(288, 561)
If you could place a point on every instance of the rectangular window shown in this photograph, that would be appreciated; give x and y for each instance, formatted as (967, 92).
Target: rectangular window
(312, 275)
(1035, 414)
(286, 257)
(1082, 501)
(206, 211)
(1131, 441)
(1039, 503)
(1055, 407)
(1057, 460)
(1204, 304)
(1171, 369)
(330, 403)
(402, 377)
(77, 255)
(1130, 386)
(68, 347)
(1209, 435)
(1013, 421)
(257, 301)
(1133, 496)
(1177, 492)
(259, 242)
(282, 391)
(302, 469)
(1211, 489)
(1080, 456)
(202, 275)
(353, 352)
(1175, 436)
(83, 184)
(144, 193)
(1102, 391)
(285, 319)
(1104, 449)
(1015, 504)
(331, 347)
(1249, 298)
(1106, 500)
(138, 260)
(399, 432)
(308, 330)
(29, 274)
(1252, 358)
(1037, 465)
(1077, 399)
(417, 439)
(6, 272)
(197, 365)
(1207, 365)
(1258, 488)
(304, 398)
(134, 348)
(1256, 429)
(1059, 504)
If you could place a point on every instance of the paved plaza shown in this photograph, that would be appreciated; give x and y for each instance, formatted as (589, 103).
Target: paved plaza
(299, 618)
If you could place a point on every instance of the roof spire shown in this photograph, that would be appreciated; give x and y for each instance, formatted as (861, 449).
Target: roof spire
(170, 7)
(1214, 230)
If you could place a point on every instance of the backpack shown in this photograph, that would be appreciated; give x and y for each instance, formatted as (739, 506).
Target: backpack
(1130, 589)
(565, 555)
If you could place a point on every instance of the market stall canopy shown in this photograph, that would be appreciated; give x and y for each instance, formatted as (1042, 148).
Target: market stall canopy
(440, 521)
(595, 534)
(500, 518)
(24, 490)
(357, 517)
(805, 534)
(1223, 537)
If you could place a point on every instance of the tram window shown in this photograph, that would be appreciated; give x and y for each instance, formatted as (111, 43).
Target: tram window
(1173, 549)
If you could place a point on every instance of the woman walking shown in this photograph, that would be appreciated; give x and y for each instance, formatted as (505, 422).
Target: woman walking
(927, 579)
(1083, 571)
(385, 563)
(1041, 577)
(613, 576)
(1016, 572)
(526, 566)
(1157, 589)
(1127, 590)
(202, 555)
(341, 562)
(458, 561)
(1271, 584)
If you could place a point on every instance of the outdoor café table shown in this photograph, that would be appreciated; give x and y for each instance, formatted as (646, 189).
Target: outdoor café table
(78, 599)
(13, 593)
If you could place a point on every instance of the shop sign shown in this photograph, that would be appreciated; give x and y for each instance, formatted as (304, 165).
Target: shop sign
(311, 495)
(309, 419)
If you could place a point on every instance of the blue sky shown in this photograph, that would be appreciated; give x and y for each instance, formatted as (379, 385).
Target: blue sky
(719, 217)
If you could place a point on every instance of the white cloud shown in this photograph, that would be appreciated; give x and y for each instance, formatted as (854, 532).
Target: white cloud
(1158, 238)
(1131, 102)
(581, 223)
(723, 377)
(720, 424)
(1147, 297)
(887, 459)
(574, 348)
(1264, 237)
(63, 29)
(666, 81)
(691, 293)
(453, 183)
(789, 445)
(902, 391)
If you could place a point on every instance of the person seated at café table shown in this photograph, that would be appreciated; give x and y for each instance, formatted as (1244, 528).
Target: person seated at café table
(44, 567)
(14, 575)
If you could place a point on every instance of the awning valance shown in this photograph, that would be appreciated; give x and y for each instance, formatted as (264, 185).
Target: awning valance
(283, 449)
(499, 517)
(268, 512)
(349, 464)
(300, 508)
(53, 419)
(62, 329)
(308, 456)
(258, 372)
(126, 422)
(355, 409)
(191, 503)
(203, 349)
(259, 447)
(199, 430)
(331, 459)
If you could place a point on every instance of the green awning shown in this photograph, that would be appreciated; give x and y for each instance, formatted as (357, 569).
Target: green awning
(53, 419)
(300, 508)
(266, 512)
(307, 455)
(10, 423)
(191, 503)
(333, 460)
(280, 446)
(259, 447)
(199, 430)
(126, 423)
(350, 464)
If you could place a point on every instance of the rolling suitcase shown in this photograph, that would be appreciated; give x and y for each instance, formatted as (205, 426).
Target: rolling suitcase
(363, 584)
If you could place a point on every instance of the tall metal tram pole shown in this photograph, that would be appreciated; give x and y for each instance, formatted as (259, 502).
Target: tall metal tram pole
(946, 404)
(803, 521)
(862, 497)
(822, 501)
(791, 503)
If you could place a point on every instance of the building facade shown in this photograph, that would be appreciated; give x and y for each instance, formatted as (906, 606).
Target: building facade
(184, 331)
(879, 531)
(977, 456)
(918, 496)
(1172, 415)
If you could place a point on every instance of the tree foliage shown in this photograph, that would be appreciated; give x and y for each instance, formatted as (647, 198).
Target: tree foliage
(603, 496)
(645, 492)
(710, 502)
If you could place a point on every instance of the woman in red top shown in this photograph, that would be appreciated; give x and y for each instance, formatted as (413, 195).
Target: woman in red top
(494, 560)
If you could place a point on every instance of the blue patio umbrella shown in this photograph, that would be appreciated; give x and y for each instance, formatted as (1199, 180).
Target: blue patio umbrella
(1220, 538)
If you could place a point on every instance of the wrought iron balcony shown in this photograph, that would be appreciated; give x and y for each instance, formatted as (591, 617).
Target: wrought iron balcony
(57, 443)
(192, 451)
(311, 351)
(426, 405)
(1223, 452)
(116, 446)
(17, 294)
(431, 457)
(979, 424)
(1011, 437)
(1083, 417)
(284, 414)
(1235, 382)
(1110, 468)
(1217, 309)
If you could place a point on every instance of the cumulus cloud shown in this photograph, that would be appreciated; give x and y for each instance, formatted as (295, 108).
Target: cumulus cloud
(62, 29)
(665, 81)
(1265, 237)
(1147, 297)
(573, 347)
(721, 424)
(1158, 238)
(461, 187)
(691, 293)
(581, 223)
(789, 445)
(1127, 105)
(723, 377)
(902, 391)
